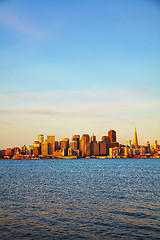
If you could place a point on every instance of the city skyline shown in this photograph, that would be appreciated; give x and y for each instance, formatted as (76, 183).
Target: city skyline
(79, 66)
(84, 146)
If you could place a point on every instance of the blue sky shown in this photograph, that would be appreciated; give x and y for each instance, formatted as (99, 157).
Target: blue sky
(79, 66)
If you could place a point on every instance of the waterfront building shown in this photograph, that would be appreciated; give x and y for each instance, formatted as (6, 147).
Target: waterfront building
(74, 144)
(40, 138)
(85, 145)
(2, 153)
(36, 151)
(72, 152)
(148, 144)
(16, 150)
(9, 152)
(76, 137)
(36, 148)
(94, 149)
(30, 149)
(114, 152)
(93, 138)
(107, 141)
(131, 151)
(24, 149)
(103, 148)
(64, 143)
(126, 151)
(112, 136)
(58, 153)
(44, 148)
(155, 145)
(51, 144)
(135, 141)
(57, 145)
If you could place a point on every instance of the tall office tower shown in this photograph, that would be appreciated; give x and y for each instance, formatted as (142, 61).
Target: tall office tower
(135, 141)
(23, 149)
(76, 137)
(64, 143)
(30, 149)
(126, 151)
(16, 150)
(85, 145)
(57, 145)
(94, 148)
(148, 144)
(129, 143)
(93, 138)
(36, 148)
(40, 138)
(44, 148)
(155, 145)
(107, 141)
(51, 144)
(112, 136)
(102, 148)
(74, 144)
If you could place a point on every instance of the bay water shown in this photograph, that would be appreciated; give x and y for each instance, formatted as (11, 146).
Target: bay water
(80, 199)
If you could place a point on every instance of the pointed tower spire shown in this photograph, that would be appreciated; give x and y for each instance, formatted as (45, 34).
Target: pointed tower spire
(135, 141)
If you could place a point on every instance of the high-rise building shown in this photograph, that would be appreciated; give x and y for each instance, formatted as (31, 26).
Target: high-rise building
(85, 145)
(44, 148)
(148, 144)
(112, 136)
(135, 141)
(103, 148)
(74, 144)
(30, 149)
(155, 145)
(76, 137)
(40, 138)
(94, 146)
(107, 141)
(51, 144)
(57, 145)
(24, 149)
(93, 138)
(36, 148)
(9, 152)
(16, 150)
(64, 143)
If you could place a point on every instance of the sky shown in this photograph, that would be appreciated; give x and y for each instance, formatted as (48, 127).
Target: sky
(79, 66)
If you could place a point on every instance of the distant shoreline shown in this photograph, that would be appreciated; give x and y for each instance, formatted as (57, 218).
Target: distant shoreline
(79, 158)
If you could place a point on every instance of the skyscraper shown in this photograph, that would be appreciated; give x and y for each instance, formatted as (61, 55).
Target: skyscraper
(85, 145)
(135, 141)
(44, 148)
(93, 138)
(51, 144)
(40, 138)
(112, 136)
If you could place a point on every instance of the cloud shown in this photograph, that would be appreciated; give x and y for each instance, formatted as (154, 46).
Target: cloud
(16, 22)
(107, 104)
(41, 111)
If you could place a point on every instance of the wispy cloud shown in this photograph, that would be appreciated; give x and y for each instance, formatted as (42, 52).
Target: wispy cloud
(92, 102)
(16, 22)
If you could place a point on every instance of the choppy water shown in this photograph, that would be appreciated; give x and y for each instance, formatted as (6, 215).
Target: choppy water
(80, 199)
